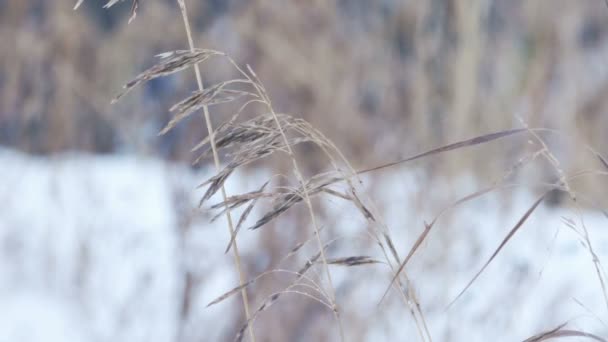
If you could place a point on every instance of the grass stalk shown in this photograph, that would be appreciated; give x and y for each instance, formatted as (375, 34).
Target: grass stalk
(306, 195)
(216, 160)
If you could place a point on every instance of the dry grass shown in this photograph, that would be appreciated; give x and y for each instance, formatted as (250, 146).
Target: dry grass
(266, 134)
(348, 70)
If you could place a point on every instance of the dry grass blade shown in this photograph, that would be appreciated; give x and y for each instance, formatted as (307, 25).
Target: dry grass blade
(512, 232)
(583, 232)
(215, 94)
(546, 334)
(309, 263)
(298, 246)
(337, 194)
(312, 187)
(285, 202)
(425, 233)
(258, 149)
(602, 159)
(299, 274)
(244, 133)
(427, 229)
(267, 303)
(221, 129)
(240, 200)
(244, 216)
(353, 261)
(171, 62)
(239, 288)
(560, 332)
(255, 149)
(231, 292)
(354, 198)
(391, 247)
(217, 182)
(461, 144)
(362, 208)
(305, 194)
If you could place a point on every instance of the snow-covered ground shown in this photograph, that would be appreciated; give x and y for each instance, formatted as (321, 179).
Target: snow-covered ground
(91, 250)
(88, 250)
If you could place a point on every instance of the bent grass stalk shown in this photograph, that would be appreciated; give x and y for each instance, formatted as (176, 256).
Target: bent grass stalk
(305, 191)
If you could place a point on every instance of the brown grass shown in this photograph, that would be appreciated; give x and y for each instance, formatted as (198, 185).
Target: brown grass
(268, 134)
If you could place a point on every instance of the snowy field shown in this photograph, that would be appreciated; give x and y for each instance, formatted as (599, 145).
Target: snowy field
(91, 250)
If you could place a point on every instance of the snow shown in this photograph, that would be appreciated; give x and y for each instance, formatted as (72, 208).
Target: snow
(92, 234)
(91, 250)
(32, 316)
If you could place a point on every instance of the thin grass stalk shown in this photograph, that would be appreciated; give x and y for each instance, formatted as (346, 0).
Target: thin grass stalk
(216, 160)
(409, 297)
(596, 261)
(305, 193)
(265, 99)
(311, 212)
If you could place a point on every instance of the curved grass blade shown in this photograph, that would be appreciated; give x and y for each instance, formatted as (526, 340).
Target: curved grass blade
(512, 232)
(425, 233)
(559, 332)
(461, 144)
(237, 289)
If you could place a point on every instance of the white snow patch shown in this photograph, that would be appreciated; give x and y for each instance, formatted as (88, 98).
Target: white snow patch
(90, 249)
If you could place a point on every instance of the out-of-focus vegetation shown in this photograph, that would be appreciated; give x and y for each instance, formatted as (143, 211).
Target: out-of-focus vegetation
(381, 78)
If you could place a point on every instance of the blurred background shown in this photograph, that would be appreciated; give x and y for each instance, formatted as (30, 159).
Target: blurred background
(100, 235)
